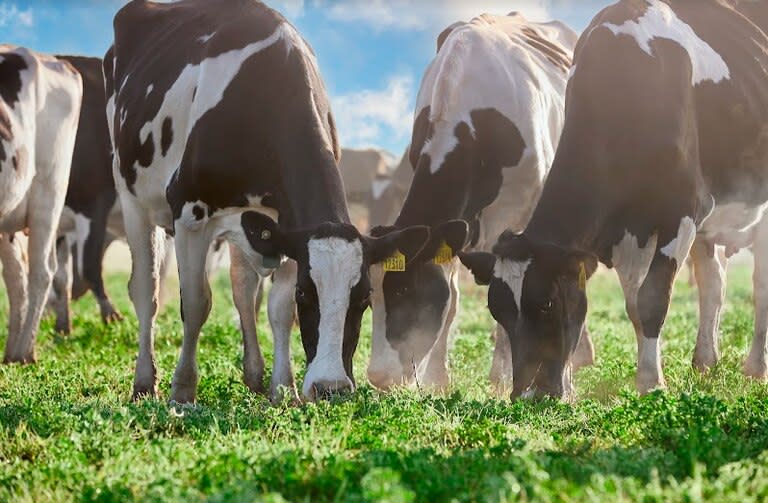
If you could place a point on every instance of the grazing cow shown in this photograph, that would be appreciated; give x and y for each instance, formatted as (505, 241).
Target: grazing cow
(666, 135)
(388, 192)
(39, 109)
(359, 169)
(90, 198)
(488, 119)
(222, 129)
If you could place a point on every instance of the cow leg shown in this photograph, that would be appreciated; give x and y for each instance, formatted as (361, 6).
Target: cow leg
(281, 307)
(584, 354)
(12, 256)
(146, 247)
(756, 364)
(62, 286)
(191, 255)
(246, 285)
(91, 258)
(165, 270)
(501, 366)
(709, 263)
(435, 373)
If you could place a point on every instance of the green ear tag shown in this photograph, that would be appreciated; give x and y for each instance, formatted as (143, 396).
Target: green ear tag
(270, 262)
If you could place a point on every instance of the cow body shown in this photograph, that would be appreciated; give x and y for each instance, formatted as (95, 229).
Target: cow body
(665, 137)
(222, 129)
(488, 120)
(39, 113)
(388, 193)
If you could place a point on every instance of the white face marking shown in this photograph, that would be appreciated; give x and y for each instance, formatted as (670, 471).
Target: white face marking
(512, 273)
(149, 90)
(384, 368)
(679, 247)
(335, 267)
(660, 21)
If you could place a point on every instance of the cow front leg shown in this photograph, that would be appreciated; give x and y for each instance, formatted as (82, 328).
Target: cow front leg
(709, 264)
(756, 364)
(435, 374)
(91, 257)
(14, 261)
(146, 244)
(246, 285)
(191, 255)
(501, 366)
(584, 354)
(281, 307)
(62, 286)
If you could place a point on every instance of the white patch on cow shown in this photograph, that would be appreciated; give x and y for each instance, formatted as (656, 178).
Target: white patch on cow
(188, 218)
(384, 367)
(679, 247)
(82, 231)
(512, 273)
(378, 187)
(571, 72)
(633, 262)
(335, 267)
(149, 90)
(660, 21)
(733, 225)
(205, 38)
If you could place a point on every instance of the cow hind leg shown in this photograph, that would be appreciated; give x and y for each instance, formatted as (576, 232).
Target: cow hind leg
(14, 261)
(62, 286)
(756, 364)
(709, 263)
(191, 255)
(91, 256)
(146, 247)
(281, 307)
(246, 286)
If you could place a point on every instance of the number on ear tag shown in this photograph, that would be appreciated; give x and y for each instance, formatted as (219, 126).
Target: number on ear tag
(582, 277)
(395, 263)
(444, 255)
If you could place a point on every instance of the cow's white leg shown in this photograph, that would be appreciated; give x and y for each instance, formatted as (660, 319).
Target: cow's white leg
(246, 284)
(191, 255)
(501, 366)
(62, 286)
(584, 354)
(281, 307)
(165, 269)
(14, 260)
(709, 263)
(146, 244)
(756, 364)
(435, 373)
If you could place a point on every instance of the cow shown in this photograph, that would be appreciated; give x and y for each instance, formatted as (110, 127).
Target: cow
(40, 98)
(359, 169)
(388, 192)
(90, 198)
(665, 139)
(488, 119)
(222, 129)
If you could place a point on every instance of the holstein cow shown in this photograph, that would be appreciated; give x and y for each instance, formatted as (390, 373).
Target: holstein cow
(666, 134)
(222, 128)
(488, 120)
(388, 192)
(90, 197)
(39, 109)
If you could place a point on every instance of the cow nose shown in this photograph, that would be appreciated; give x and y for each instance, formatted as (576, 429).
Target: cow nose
(326, 390)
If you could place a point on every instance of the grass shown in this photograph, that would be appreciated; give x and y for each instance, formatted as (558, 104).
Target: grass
(68, 431)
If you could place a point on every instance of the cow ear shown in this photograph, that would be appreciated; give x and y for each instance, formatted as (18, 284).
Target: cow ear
(454, 233)
(480, 264)
(266, 237)
(408, 241)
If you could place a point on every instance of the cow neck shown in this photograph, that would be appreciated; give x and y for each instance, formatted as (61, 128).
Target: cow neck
(432, 201)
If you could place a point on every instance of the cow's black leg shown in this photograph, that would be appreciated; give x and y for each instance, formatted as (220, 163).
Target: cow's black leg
(62, 286)
(92, 262)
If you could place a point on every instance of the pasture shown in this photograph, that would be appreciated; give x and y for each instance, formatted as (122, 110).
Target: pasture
(68, 431)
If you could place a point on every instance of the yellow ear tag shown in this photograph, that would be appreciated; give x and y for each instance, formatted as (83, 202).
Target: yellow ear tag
(444, 255)
(582, 277)
(395, 263)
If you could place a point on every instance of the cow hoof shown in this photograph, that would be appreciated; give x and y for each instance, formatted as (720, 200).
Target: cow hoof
(63, 328)
(704, 362)
(255, 383)
(111, 317)
(22, 359)
(756, 369)
(647, 386)
(143, 393)
(280, 394)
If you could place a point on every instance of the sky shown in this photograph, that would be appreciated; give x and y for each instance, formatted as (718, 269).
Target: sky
(372, 53)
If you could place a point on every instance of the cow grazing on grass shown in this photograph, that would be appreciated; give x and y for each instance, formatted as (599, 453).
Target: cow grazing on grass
(91, 196)
(666, 136)
(40, 100)
(388, 192)
(488, 120)
(222, 128)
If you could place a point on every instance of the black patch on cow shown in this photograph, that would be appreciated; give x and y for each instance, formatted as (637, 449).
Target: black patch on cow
(20, 159)
(198, 212)
(194, 93)
(11, 66)
(146, 152)
(166, 137)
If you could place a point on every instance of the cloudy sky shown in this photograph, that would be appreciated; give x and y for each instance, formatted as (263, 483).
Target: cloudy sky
(372, 53)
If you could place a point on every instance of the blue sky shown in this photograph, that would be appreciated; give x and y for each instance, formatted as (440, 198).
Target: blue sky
(372, 53)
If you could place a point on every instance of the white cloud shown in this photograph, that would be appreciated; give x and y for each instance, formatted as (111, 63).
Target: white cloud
(421, 14)
(11, 16)
(363, 118)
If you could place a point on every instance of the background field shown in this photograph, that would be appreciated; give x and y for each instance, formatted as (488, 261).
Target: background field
(68, 431)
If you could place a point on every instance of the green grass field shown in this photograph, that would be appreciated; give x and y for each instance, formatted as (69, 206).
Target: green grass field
(68, 431)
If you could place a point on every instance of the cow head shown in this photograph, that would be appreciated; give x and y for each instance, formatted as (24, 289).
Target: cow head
(333, 289)
(410, 306)
(537, 293)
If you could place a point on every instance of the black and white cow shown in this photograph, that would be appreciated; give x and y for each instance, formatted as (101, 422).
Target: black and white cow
(91, 196)
(222, 128)
(39, 109)
(666, 135)
(488, 120)
(388, 192)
